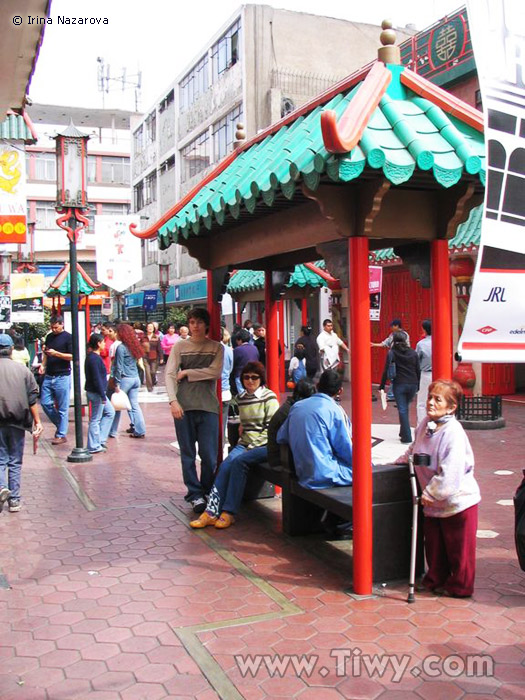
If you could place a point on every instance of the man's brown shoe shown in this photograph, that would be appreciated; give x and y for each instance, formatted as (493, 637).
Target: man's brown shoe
(58, 441)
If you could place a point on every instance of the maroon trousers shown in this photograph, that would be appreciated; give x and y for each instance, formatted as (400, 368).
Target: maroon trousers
(450, 549)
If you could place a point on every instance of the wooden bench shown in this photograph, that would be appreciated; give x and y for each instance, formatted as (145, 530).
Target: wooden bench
(391, 511)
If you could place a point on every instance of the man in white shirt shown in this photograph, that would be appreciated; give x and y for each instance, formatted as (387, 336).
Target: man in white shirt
(329, 343)
(424, 352)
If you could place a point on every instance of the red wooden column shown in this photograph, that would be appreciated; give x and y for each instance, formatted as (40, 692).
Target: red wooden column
(282, 377)
(361, 368)
(272, 337)
(441, 295)
(239, 312)
(304, 312)
(214, 333)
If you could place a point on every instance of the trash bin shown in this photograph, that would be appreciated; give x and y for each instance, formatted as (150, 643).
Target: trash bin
(480, 412)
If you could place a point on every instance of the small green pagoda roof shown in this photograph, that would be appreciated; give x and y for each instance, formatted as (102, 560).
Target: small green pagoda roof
(405, 133)
(61, 285)
(253, 280)
(15, 128)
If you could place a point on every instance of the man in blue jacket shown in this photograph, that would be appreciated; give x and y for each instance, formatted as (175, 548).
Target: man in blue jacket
(320, 436)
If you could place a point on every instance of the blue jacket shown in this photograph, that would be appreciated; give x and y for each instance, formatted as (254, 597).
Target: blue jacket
(95, 371)
(125, 364)
(319, 434)
(227, 366)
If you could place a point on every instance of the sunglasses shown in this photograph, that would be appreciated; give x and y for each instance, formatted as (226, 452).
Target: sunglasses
(251, 377)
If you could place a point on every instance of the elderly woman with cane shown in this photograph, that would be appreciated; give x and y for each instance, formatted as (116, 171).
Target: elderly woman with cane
(444, 465)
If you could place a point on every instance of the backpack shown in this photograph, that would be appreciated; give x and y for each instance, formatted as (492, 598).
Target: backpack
(391, 369)
(519, 522)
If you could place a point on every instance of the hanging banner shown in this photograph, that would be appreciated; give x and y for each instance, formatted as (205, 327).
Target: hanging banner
(5, 311)
(494, 329)
(12, 194)
(27, 298)
(150, 299)
(118, 251)
(107, 306)
(375, 283)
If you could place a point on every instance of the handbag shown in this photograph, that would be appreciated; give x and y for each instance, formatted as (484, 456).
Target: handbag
(391, 369)
(120, 401)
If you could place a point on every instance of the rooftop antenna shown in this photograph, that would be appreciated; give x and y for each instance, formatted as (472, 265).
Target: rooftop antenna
(105, 82)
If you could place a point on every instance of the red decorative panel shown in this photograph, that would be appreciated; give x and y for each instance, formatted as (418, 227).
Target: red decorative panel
(402, 297)
(498, 379)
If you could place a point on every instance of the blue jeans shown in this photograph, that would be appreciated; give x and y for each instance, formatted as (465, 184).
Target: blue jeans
(102, 415)
(131, 386)
(201, 427)
(54, 397)
(404, 394)
(11, 456)
(228, 489)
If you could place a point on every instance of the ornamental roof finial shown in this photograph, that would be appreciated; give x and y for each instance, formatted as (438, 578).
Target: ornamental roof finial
(240, 136)
(388, 53)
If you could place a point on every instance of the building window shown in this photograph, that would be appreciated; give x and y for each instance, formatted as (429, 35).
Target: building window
(113, 208)
(195, 83)
(168, 164)
(91, 218)
(138, 196)
(224, 133)
(225, 53)
(138, 139)
(92, 168)
(45, 166)
(151, 128)
(115, 169)
(196, 156)
(46, 216)
(165, 103)
(150, 188)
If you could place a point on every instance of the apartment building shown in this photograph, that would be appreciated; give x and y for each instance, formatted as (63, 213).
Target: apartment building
(262, 64)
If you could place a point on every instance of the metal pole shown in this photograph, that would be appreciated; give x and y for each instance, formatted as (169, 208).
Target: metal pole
(78, 453)
(164, 311)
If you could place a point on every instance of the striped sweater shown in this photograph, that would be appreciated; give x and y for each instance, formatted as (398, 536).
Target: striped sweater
(255, 412)
(203, 362)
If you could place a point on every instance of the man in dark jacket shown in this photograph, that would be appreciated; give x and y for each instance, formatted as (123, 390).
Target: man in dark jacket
(56, 368)
(18, 413)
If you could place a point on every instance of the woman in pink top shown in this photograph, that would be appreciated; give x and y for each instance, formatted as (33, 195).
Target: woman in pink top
(168, 341)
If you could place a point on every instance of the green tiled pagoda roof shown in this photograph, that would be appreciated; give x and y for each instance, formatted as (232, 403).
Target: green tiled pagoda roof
(404, 134)
(253, 280)
(14, 127)
(467, 235)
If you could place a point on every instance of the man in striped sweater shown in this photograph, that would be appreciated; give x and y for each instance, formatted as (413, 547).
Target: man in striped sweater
(193, 368)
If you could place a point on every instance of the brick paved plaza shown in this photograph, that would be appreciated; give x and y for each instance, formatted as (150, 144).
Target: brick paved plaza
(106, 593)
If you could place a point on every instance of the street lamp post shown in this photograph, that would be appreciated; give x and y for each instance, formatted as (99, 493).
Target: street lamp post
(72, 204)
(164, 285)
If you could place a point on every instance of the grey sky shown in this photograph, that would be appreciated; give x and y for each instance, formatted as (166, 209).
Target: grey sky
(161, 38)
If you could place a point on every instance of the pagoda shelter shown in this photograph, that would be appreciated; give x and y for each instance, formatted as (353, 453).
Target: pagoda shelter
(383, 159)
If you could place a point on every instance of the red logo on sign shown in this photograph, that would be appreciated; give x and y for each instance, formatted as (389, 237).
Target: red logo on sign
(486, 330)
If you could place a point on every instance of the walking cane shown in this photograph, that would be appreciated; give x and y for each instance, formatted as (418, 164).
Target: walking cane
(413, 546)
